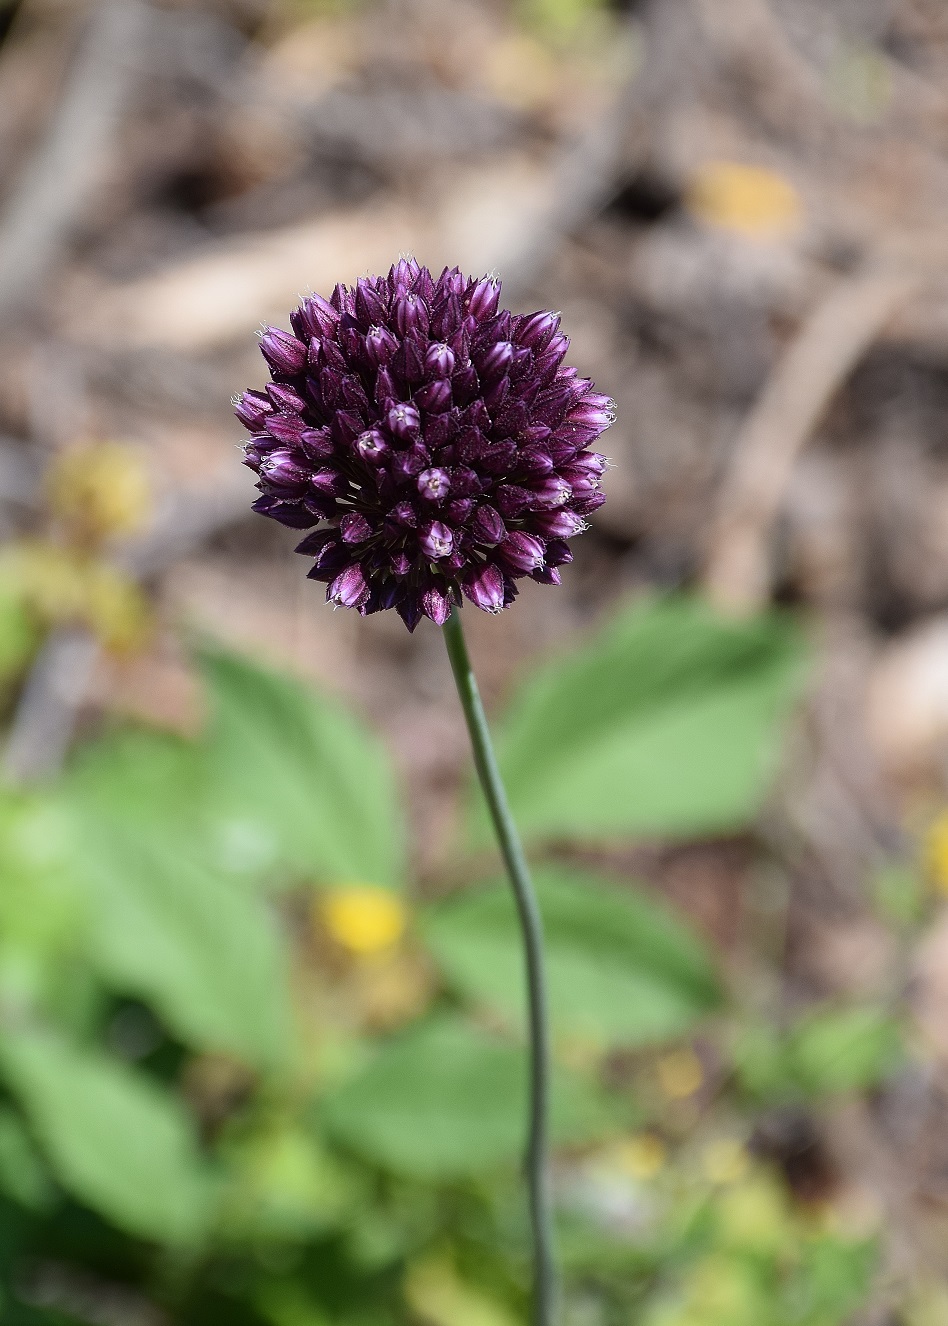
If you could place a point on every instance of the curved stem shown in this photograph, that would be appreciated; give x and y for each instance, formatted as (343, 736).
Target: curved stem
(537, 1158)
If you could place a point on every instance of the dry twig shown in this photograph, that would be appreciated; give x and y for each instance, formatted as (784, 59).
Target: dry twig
(826, 349)
(59, 182)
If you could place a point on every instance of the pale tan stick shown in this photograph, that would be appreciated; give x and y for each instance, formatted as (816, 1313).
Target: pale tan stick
(826, 349)
(59, 183)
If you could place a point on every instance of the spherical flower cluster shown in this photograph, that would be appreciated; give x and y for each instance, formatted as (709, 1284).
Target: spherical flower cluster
(440, 444)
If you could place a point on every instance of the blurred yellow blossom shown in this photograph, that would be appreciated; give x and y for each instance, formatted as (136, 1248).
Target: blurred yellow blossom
(60, 586)
(749, 199)
(754, 1215)
(936, 851)
(437, 1295)
(680, 1074)
(641, 1156)
(724, 1160)
(99, 490)
(722, 1290)
(362, 918)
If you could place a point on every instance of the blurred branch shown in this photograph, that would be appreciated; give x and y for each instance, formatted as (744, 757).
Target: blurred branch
(58, 183)
(49, 705)
(52, 698)
(819, 359)
(659, 55)
(20, 474)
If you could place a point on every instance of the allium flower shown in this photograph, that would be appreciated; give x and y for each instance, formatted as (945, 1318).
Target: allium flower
(438, 442)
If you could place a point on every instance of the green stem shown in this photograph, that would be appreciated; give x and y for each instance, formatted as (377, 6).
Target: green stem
(537, 1159)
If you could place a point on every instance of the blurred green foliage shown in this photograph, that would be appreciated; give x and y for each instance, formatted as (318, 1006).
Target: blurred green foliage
(254, 1109)
(669, 722)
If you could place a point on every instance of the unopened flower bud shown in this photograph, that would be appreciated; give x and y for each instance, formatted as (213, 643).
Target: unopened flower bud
(559, 524)
(593, 411)
(316, 443)
(404, 421)
(251, 408)
(436, 540)
(536, 329)
(380, 346)
(369, 306)
(434, 484)
(354, 528)
(483, 300)
(285, 398)
(558, 553)
(522, 552)
(436, 605)
(411, 315)
(283, 351)
(349, 589)
(435, 396)
(484, 586)
(439, 360)
(287, 428)
(371, 446)
(550, 492)
(329, 482)
(281, 469)
(487, 525)
(495, 361)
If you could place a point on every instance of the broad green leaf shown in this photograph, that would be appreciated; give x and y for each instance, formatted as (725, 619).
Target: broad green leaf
(159, 785)
(288, 761)
(840, 1050)
(436, 1293)
(829, 1051)
(445, 1100)
(23, 1175)
(166, 923)
(284, 1184)
(205, 952)
(669, 722)
(621, 969)
(116, 1140)
(147, 779)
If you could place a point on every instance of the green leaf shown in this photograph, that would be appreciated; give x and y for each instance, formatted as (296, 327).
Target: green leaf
(164, 923)
(840, 1050)
(207, 955)
(115, 1140)
(828, 1052)
(23, 1175)
(288, 761)
(621, 969)
(446, 1100)
(668, 723)
(204, 953)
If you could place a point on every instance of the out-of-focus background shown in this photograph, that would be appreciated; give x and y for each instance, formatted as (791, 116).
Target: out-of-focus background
(260, 1022)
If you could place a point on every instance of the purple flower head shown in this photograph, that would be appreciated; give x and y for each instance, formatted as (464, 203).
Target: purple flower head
(437, 441)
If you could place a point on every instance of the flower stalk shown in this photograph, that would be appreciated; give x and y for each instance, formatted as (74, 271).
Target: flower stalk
(531, 924)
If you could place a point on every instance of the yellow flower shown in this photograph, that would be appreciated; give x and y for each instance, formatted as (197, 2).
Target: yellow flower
(749, 199)
(436, 1293)
(99, 490)
(362, 918)
(64, 585)
(641, 1156)
(724, 1161)
(680, 1074)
